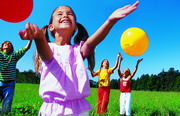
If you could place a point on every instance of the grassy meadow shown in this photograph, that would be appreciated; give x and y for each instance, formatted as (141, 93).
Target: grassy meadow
(144, 103)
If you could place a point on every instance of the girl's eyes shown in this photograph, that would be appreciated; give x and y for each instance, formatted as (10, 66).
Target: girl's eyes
(70, 13)
(60, 14)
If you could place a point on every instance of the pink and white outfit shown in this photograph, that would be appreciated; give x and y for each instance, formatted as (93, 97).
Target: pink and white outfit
(125, 96)
(64, 82)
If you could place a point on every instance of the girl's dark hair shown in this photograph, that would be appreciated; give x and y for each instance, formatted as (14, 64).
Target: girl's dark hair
(82, 35)
(6, 42)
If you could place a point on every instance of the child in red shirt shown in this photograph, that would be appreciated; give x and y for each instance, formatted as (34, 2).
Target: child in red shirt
(125, 88)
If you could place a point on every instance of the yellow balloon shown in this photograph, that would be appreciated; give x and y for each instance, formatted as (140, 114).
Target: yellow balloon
(134, 41)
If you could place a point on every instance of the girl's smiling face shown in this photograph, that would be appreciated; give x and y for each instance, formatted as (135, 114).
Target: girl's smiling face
(63, 19)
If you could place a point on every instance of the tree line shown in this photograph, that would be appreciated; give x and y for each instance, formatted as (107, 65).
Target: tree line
(164, 81)
(27, 77)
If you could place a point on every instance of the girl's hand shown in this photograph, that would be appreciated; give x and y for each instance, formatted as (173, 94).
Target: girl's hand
(139, 60)
(119, 54)
(31, 32)
(122, 12)
(121, 58)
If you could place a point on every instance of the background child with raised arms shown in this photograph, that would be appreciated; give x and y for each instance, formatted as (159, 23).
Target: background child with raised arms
(125, 88)
(8, 61)
(104, 84)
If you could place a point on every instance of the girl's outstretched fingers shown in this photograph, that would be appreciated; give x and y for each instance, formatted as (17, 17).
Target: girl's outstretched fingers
(135, 4)
(123, 12)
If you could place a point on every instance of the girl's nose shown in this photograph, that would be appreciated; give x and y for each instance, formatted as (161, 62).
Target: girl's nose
(65, 15)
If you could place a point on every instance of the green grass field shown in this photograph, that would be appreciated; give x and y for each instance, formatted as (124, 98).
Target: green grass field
(144, 103)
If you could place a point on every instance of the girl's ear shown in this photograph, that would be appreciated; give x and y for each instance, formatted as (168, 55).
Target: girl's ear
(51, 28)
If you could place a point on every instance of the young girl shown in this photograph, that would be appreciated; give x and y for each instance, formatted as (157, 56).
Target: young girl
(104, 84)
(8, 61)
(125, 88)
(64, 81)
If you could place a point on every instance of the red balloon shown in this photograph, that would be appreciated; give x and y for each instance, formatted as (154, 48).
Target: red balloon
(15, 10)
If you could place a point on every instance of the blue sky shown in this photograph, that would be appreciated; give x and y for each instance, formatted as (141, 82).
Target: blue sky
(160, 19)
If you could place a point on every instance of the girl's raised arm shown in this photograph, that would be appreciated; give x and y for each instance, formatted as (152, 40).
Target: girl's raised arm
(117, 62)
(33, 32)
(28, 45)
(101, 33)
(135, 70)
(119, 65)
